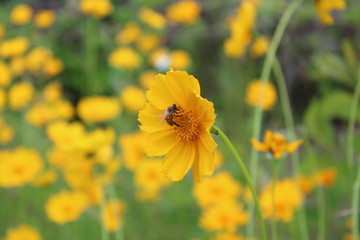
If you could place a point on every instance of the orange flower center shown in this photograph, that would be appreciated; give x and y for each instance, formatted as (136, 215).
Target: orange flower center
(186, 124)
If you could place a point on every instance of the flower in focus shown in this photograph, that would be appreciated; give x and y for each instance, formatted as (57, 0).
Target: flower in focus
(124, 57)
(215, 189)
(20, 94)
(180, 60)
(183, 12)
(19, 166)
(324, 7)
(146, 78)
(178, 121)
(5, 76)
(260, 47)
(65, 206)
(133, 149)
(152, 18)
(96, 8)
(133, 98)
(112, 215)
(223, 216)
(129, 34)
(21, 14)
(325, 177)
(98, 108)
(261, 94)
(22, 232)
(288, 199)
(276, 144)
(44, 18)
(14, 47)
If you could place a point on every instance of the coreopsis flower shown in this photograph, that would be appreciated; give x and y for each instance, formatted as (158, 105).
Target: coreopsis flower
(5, 76)
(36, 59)
(276, 144)
(152, 18)
(160, 59)
(260, 47)
(129, 34)
(133, 149)
(21, 14)
(218, 188)
(261, 94)
(227, 236)
(2, 99)
(147, 42)
(180, 60)
(288, 199)
(20, 94)
(96, 8)
(19, 166)
(6, 131)
(53, 67)
(98, 108)
(112, 215)
(44, 18)
(227, 216)
(17, 66)
(14, 47)
(133, 98)
(124, 57)
(146, 78)
(306, 183)
(52, 92)
(325, 177)
(178, 121)
(325, 7)
(65, 206)
(183, 12)
(45, 178)
(22, 232)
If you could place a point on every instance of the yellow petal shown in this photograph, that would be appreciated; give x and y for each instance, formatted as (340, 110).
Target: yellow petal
(268, 137)
(151, 119)
(161, 142)
(179, 160)
(204, 110)
(291, 147)
(206, 160)
(259, 145)
(278, 154)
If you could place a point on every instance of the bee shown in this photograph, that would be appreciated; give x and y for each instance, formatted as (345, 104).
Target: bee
(169, 115)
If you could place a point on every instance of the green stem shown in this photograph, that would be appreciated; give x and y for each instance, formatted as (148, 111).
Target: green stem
(247, 178)
(265, 74)
(290, 126)
(119, 234)
(104, 232)
(273, 190)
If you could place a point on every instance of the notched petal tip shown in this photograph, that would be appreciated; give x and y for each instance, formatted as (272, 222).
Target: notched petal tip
(291, 147)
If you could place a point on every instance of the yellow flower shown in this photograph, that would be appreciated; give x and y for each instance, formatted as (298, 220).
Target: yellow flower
(260, 47)
(223, 216)
(288, 199)
(52, 92)
(324, 7)
(146, 78)
(276, 144)
(219, 158)
(160, 59)
(98, 108)
(147, 42)
(36, 59)
(152, 18)
(53, 67)
(263, 94)
(17, 66)
(129, 34)
(235, 47)
(44, 179)
(180, 60)
(21, 14)
(65, 206)
(112, 215)
(178, 121)
(133, 98)
(184, 12)
(6, 132)
(96, 8)
(124, 57)
(44, 18)
(14, 47)
(326, 177)
(22, 232)
(2, 99)
(133, 149)
(2, 31)
(306, 184)
(20, 94)
(218, 188)
(5, 76)
(19, 167)
(227, 236)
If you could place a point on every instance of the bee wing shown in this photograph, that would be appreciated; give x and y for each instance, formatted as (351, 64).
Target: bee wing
(163, 116)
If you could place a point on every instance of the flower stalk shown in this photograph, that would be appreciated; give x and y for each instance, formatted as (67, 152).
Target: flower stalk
(273, 196)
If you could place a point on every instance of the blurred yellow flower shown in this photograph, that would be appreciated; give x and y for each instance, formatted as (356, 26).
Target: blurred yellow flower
(14, 47)
(94, 194)
(261, 94)
(44, 18)
(260, 47)
(148, 42)
(146, 78)
(65, 206)
(183, 12)
(219, 158)
(180, 60)
(46, 178)
(227, 216)
(235, 47)
(6, 132)
(19, 166)
(306, 184)
(228, 236)
(2, 30)
(22, 232)
(178, 121)
(276, 144)
(288, 199)
(5, 76)
(2, 99)
(78, 174)
(36, 59)
(160, 59)
(325, 7)
(152, 18)
(215, 189)
(96, 8)
(326, 177)
(133, 98)
(17, 66)
(52, 92)
(98, 108)
(21, 14)
(129, 34)
(20, 94)
(124, 57)
(112, 215)
(133, 149)
(53, 67)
